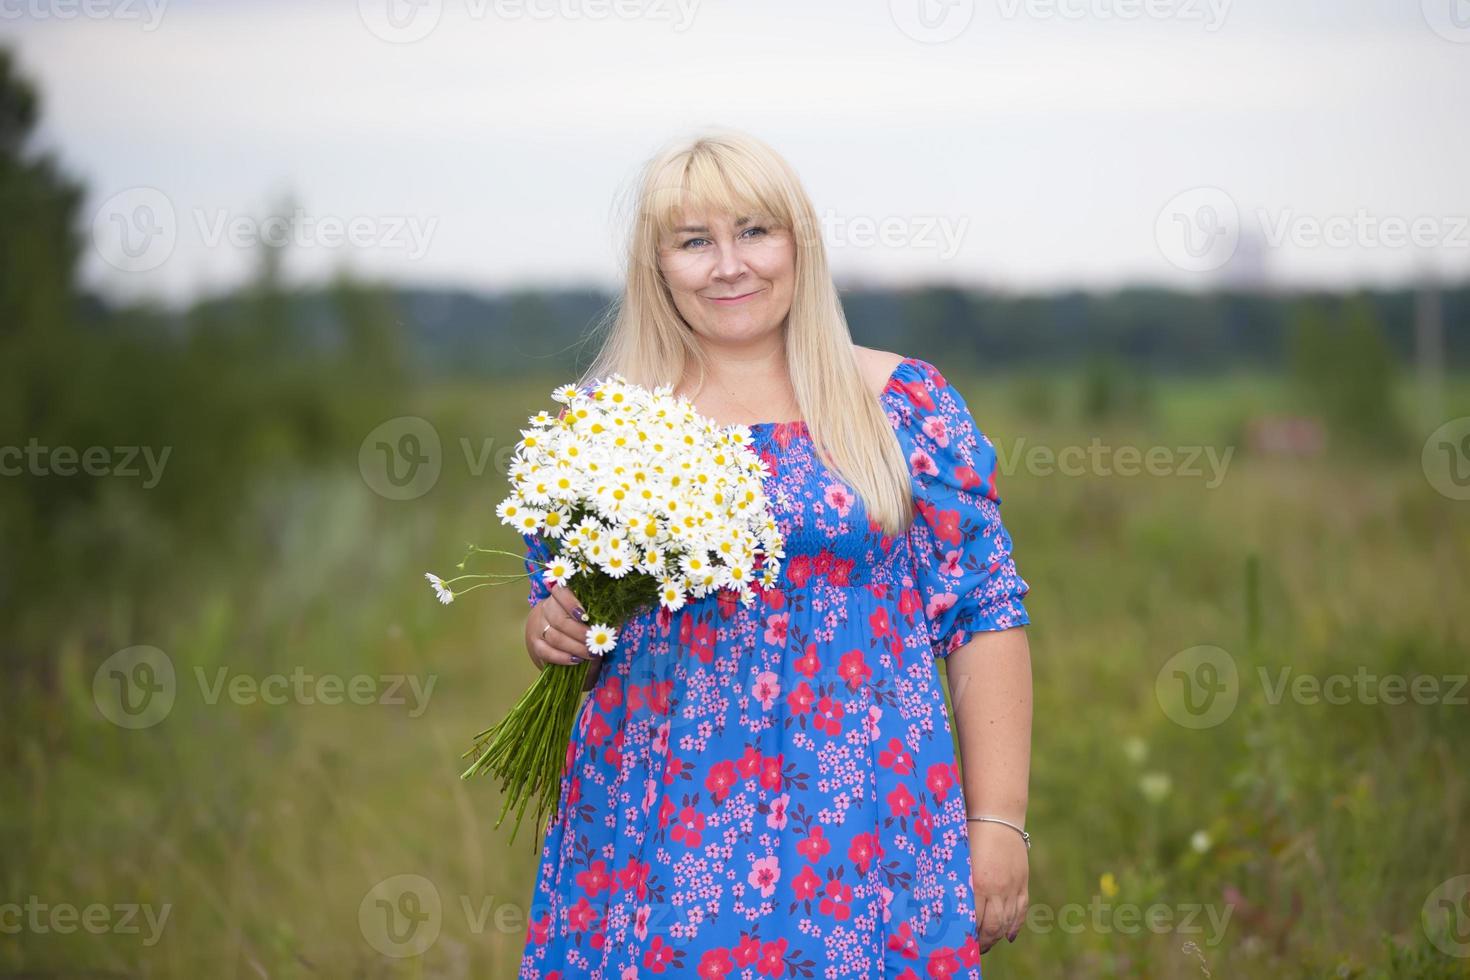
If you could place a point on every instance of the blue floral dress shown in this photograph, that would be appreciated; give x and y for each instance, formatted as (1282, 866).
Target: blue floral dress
(773, 791)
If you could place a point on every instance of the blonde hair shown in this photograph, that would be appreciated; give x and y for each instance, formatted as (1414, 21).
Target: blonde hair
(648, 342)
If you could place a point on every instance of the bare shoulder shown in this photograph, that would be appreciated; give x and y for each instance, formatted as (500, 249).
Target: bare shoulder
(877, 366)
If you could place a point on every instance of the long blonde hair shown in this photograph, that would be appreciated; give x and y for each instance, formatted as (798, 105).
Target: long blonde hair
(648, 342)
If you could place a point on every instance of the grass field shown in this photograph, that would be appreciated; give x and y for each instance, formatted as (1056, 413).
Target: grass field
(1303, 832)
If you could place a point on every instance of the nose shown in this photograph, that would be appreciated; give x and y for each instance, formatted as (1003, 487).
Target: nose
(729, 266)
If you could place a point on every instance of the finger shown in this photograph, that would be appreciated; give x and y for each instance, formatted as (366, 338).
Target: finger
(1023, 904)
(568, 602)
(554, 646)
(991, 926)
(566, 634)
(1008, 922)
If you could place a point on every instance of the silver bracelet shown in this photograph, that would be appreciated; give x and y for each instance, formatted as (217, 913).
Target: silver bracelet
(1024, 836)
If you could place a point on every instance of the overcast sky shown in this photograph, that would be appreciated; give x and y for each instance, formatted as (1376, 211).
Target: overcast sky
(1017, 144)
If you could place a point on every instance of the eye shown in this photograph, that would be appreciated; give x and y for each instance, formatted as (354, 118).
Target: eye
(691, 241)
(754, 230)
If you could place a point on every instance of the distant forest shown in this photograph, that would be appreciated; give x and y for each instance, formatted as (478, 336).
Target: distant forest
(467, 334)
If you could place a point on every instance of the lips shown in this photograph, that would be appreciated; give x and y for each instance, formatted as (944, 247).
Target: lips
(732, 299)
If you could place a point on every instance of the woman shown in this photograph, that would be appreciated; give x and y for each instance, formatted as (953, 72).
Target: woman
(776, 789)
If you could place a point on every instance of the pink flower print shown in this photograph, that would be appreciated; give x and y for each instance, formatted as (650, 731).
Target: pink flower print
(721, 779)
(871, 722)
(634, 877)
(767, 688)
(921, 462)
(935, 429)
(951, 564)
(776, 819)
(640, 921)
(688, 828)
(839, 496)
(940, 603)
(776, 629)
(660, 741)
(887, 896)
(764, 874)
(702, 643)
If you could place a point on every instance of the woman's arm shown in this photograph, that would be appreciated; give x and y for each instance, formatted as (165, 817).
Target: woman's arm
(990, 690)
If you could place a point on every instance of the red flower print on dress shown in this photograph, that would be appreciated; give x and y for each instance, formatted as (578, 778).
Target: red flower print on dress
(815, 847)
(721, 779)
(728, 760)
(688, 827)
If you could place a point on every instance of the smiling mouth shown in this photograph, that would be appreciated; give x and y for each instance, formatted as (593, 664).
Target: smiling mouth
(732, 299)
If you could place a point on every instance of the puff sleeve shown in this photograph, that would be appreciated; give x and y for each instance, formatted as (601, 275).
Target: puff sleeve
(965, 579)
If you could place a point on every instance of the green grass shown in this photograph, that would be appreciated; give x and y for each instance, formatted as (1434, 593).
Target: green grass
(265, 827)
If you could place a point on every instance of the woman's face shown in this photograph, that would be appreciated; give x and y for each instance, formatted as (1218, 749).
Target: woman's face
(731, 276)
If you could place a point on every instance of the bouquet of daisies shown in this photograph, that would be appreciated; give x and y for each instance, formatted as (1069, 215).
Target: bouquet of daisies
(640, 500)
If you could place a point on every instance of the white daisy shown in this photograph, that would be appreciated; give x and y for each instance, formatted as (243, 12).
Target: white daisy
(440, 589)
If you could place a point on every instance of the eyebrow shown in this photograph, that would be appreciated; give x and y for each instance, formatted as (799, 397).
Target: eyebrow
(704, 230)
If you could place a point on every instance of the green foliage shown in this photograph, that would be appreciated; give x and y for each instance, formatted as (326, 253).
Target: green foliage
(1345, 371)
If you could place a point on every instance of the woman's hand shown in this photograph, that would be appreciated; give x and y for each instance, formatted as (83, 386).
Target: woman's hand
(566, 641)
(1000, 870)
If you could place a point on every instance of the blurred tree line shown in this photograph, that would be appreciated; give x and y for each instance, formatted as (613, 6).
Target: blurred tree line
(220, 397)
(268, 379)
